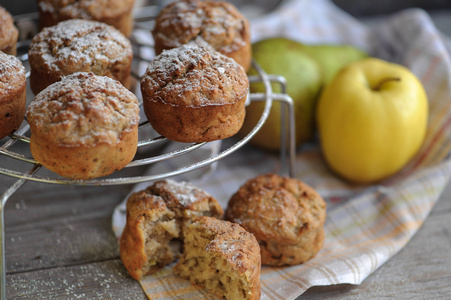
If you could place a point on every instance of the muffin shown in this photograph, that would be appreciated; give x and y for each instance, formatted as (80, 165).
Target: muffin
(84, 126)
(117, 13)
(79, 46)
(217, 23)
(8, 33)
(193, 94)
(222, 257)
(285, 215)
(12, 94)
(157, 219)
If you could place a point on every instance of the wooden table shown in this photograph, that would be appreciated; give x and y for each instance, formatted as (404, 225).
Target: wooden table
(59, 245)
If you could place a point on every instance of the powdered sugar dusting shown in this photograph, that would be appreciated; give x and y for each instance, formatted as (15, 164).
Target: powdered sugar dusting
(233, 250)
(79, 45)
(185, 192)
(217, 23)
(195, 76)
(232, 241)
(84, 108)
(12, 73)
(228, 246)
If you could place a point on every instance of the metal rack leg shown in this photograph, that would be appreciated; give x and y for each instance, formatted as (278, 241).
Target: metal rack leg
(288, 127)
(288, 136)
(6, 195)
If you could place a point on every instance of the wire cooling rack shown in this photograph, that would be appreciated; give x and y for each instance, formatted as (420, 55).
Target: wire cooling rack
(141, 48)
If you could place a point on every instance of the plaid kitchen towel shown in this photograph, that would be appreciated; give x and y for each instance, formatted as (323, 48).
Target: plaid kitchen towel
(365, 225)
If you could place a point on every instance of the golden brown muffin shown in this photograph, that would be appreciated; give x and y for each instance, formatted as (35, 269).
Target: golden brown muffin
(8, 33)
(84, 126)
(222, 257)
(157, 219)
(117, 13)
(194, 94)
(12, 94)
(285, 215)
(217, 23)
(79, 46)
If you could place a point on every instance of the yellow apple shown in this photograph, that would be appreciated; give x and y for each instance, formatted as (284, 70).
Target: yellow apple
(372, 119)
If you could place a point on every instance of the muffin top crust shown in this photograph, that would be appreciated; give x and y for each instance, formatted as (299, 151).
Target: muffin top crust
(8, 32)
(231, 241)
(194, 76)
(217, 23)
(12, 74)
(84, 109)
(277, 209)
(85, 9)
(79, 46)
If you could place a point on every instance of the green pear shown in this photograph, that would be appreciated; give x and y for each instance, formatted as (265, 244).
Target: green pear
(332, 58)
(282, 56)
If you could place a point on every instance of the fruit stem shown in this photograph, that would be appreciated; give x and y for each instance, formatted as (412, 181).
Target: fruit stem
(385, 80)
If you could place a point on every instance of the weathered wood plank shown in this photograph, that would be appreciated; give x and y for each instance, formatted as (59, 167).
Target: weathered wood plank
(60, 226)
(103, 280)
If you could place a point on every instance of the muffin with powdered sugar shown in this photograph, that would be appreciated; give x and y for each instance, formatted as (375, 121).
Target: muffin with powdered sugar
(194, 94)
(84, 126)
(215, 23)
(12, 94)
(9, 34)
(157, 219)
(222, 257)
(79, 46)
(117, 13)
(286, 216)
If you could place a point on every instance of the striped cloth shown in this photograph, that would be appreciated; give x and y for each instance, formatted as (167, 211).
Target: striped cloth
(365, 225)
